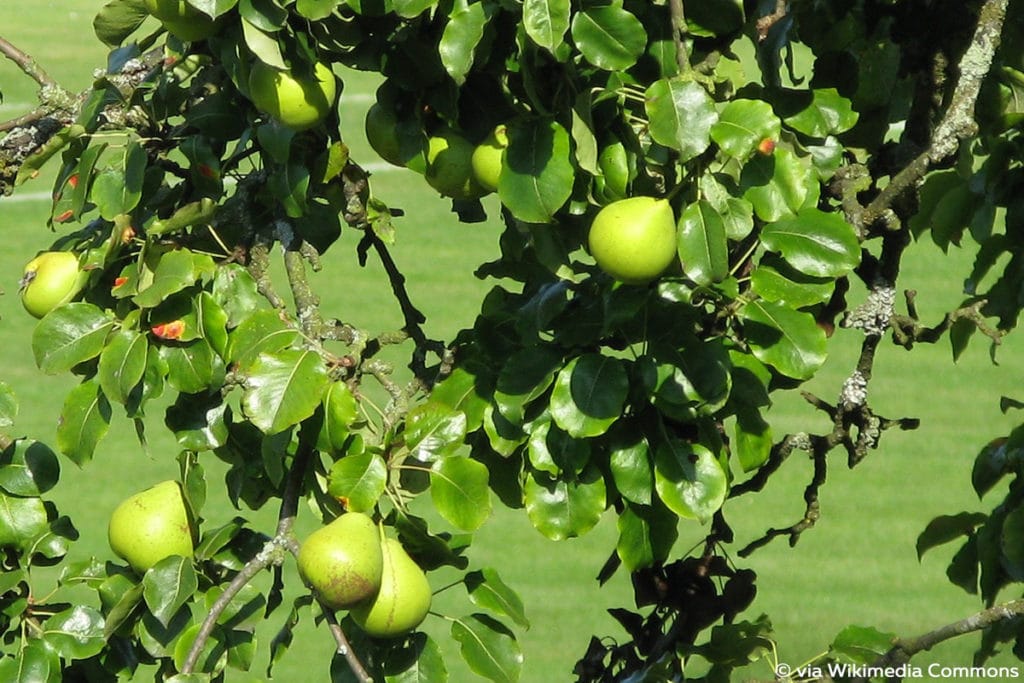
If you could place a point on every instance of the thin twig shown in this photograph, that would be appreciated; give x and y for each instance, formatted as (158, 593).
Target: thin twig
(27, 64)
(679, 31)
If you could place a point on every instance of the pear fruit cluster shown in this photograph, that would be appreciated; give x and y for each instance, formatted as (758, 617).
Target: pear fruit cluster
(152, 525)
(350, 564)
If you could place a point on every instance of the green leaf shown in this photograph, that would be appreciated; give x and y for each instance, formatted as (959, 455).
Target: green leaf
(283, 389)
(69, 335)
(28, 468)
(861, 644)
(714, 17)
(174, 272)
(168, 585)
(947, 528)
(565, 508)
(526, 375)
(553, 451)
(1011, 540)
(462, 34)
(84, 420)
(419, 659)
(235, 290)
(753, 442)
(198, 421)
(775, 280)
(816, 243)
(825, 113)
(192, 367)
(117, 20)
(630, 467)
(358, 480)
(790, 341)
(33, 662)
(546, 22)
(21, 520)
(646, 535)
(488, 647)
(689, 479)
(703, 247)
(122, 364)
(775, 185)
(458, 489)
(261, 332)
(609, 37)
(434, 431)
(487, 590)
(411, 8)
(459, 391)
(742, 125)
(589, 394)
(681, 114)
(538, 174)
(317, 9)
(340, 410)
(75, 633)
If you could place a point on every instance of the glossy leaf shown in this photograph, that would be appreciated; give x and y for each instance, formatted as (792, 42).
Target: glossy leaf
(358, 481)
(487, 590)
(646, 536)
(117, 20)
(609, 37)
(861, 645)
(316, 9)
(631, 470)
(779, 282)
(689, 479)
(122, 364)
(462, 34)
(947, 528)
(790, 341)
(703, 248)
(261, 332)
(21, 520)
(816, 243)
(753, 442)
(824, 112)
(340, 410)
(28, 468)
(84, 420)
(75, 633)
(526, 375)
(284, 388)
(488, 647)
(589, 394)
(168, 585)
(458, 489)
(69, 335)
(459, 392)
(681, 114)
(742, 125)
(191, 367)
(546, 22)
(174, 272)
(776, 186)
(537, 177)
(434, 431)
(565, 508)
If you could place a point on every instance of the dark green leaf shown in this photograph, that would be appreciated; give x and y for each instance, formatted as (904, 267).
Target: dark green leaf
(946, 528)
(609, 37)
(488, 647)
(681, 114)
(21, 520)
(117, 20)
(564, 508)
(538, 174)
(284, 388)
(689, 479)
(703, 248)
(458, 489)
(28, 468)
(69, 335)
(122, 364)
(646, 535)
(462, 33)
(753, 443)
(790, 341)
(84, 420)
(775, 185)
(816, 243)
(487, 590)
(75, 633)
(358, 480)
(526, 375)
(589, 394)
(434, 431)
(826, 112)
(775, 280)
(193, 367)
(546, 22)
(168, 585)
(742, 125)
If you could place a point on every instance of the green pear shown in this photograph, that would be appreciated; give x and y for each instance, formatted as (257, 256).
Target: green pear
(487, 158)
(342, 562)
(403, 600)
(634, 240)
(151, 525)
(450, 166)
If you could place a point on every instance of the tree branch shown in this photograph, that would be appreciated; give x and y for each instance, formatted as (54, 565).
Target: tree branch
(905, 648)
(679, 31)
(27, 64)
(958, 123)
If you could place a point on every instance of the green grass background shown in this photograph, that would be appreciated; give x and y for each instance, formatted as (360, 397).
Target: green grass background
(857, 566)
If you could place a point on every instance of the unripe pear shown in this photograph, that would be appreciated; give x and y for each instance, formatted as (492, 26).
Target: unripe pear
(50, 280)
(634, 239)
(342, 562)
(150, 526)
(487, 158)
(450, 167)
(403, 600)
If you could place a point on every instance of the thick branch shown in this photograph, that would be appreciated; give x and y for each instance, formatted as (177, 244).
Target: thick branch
(958, 123)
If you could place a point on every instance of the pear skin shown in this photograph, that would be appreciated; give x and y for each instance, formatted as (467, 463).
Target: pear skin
(403, 600)
(150, 526)
(342, 562)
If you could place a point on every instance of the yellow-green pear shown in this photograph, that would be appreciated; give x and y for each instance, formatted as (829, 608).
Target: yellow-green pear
(403, 600)
(450, 166)
(487, 158)
(634, 240)
(342, 562)
(150, 526)
(50, 280)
